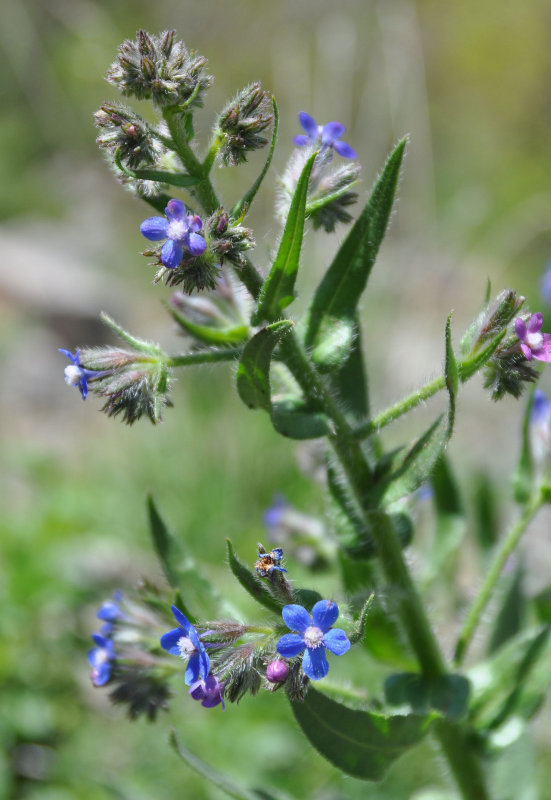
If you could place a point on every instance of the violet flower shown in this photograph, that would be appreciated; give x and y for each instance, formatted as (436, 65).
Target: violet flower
(210, 692)
(533, 343)
(180, 232)
(100, 658)
(184, 642)
(329, 135)
(314, 634)
(76, 374)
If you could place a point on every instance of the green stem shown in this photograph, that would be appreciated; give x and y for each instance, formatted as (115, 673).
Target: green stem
(402, 407)
(504, 551)
(211, 154)
(454, 740)
(206, 357)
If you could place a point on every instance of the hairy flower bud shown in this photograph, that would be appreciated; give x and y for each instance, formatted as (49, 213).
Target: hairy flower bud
(228, 238)
(124, 131)
(241, 123)
(161, 69)
(277, 671)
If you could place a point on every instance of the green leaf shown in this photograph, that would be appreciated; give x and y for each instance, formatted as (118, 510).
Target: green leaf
(330, 328)
(512, 613)
(249, 195)
(486, 515)
(523, 479)
(180, 569)
(359, 743)
(251, 583)
(172, 178)
(292, 418)
(253, 372)
(278, 289)
(451, 374)
(306, 597)
(207, 335)
(513, 680)
(448, 694)
(451, 523)
(224, 782)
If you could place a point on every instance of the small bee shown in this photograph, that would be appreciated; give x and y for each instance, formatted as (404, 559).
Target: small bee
(268, 563)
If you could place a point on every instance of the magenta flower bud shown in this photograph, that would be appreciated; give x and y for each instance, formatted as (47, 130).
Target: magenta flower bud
(277, 671)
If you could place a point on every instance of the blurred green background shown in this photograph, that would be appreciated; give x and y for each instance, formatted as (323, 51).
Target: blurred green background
(469, 81)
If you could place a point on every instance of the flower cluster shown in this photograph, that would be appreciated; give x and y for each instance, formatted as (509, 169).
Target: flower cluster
(160, 68)
(126, 133)
(241, 123)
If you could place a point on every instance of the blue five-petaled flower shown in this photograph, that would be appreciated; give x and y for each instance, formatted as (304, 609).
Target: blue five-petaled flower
(184, 642)
(313, 634)
(180, 231)
(76, 374)
(100, 659)
(329, 135)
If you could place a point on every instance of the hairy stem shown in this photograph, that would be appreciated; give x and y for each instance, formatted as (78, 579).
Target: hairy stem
(206, 357)
(507, 546)
(401, 407)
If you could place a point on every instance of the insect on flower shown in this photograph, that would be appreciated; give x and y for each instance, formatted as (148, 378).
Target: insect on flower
(267, 563)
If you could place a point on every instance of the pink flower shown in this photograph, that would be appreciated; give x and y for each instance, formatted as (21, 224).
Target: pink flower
(533, 343)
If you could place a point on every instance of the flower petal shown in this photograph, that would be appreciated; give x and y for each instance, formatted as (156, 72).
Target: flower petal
(101, 674)
(194, 223)
(74, 358)
(109, 611)
(315, 664)
(197, 690)
(535, 322)
(290, 645)
(175, 209)
(325, 613)
(192, 670)
(195, 244)
(336, 641)
(520, 328)
(344, 149)
(169, 641)
(543, 353)
(308, 124)
(172, 254)
(182, 620)
(526, 351)
(296, 617)
(331, 132)
(301, 140)
(154, 228)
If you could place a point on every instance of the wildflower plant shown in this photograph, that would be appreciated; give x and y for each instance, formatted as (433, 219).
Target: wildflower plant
(309, 376)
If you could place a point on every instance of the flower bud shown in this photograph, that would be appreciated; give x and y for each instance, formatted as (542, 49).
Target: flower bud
(277, 671)
(227, 238)
(241, 122)
(161, 69)
(124, 131)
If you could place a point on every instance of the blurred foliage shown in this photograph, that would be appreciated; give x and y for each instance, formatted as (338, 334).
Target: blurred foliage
(469, 81)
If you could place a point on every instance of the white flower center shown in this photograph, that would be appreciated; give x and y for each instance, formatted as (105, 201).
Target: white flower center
(102, 656)
(313, 637)
(177, 230)
(72, 375)
(186, 647)
(534, 340)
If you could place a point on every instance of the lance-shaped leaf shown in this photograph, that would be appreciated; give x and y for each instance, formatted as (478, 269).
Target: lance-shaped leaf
(253, 372)
(330, 328)
(448, 694)
(512, 612)
(291, 417)
(451, 523)
(208, 335)
(180, 568)
(250, 194)
(359, 743)
(251, 583)
(279, 287)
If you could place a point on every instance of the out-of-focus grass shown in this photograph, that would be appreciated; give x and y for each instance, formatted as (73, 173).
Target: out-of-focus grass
(464, 80)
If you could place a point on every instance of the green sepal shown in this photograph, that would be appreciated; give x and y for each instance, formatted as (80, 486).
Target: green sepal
(359, 627)
(448, 694)
(148, 348)
(278, 289)
(359, 743)
(180, 569)
(292, 418)
(207, 335)
(251, 583)
(523, 478)
(245, 203)
(469, 366)
(253, 372)
(330, 322)
(171, 178)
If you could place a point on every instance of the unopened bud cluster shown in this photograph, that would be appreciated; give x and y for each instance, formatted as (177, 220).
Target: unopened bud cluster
(241, 123)
(160, 68)
(125, 132)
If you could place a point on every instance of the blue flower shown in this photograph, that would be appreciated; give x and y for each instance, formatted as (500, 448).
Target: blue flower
(314, 633)
(329, 135)
(540, 427)
(209, 691)
(274, 514)
(110, 612)
(179, 230)
(76, 374)
(100, 659)
(184, 642)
